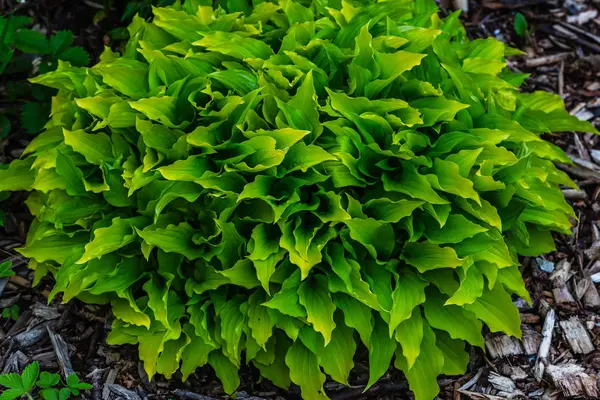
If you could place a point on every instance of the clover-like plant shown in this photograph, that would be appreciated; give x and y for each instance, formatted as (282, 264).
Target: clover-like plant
(279, 184)
(49, 386)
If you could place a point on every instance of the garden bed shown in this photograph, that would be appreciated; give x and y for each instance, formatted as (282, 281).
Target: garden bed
(558, 356)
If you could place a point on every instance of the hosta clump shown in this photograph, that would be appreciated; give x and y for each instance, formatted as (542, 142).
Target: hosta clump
(276, 185)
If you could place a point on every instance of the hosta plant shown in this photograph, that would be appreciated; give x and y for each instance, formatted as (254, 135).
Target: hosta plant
(279, 184)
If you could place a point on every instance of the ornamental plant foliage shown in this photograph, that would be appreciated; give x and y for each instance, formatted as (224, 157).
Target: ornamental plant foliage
(279, 184)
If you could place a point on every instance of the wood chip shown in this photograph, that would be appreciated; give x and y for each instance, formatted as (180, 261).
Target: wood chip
(110, 379)
(44, 312)
(471, 382)
(580, 289)
(528, 318)
(577, 336)
(502, 346)
(584, 163)
(581, 31)
(480, 396)
(544, 351)
(3, 282)
(531, 341)
(591, 298)
(574, 194)
(501, 383)
(562, 273)
(122, 393)
(17, 280)
(584, 115)
(547, 60)
(517, 374)
(572, 380)
(562, 295)
(593, 252)
(184, 394)
(595, 154)
(62, 353)
(15, 363)
(29, 338)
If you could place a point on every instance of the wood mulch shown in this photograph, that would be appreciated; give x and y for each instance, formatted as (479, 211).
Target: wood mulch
(558, 356)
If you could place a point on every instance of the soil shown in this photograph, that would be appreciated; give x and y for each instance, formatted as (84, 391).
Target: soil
(561, 340)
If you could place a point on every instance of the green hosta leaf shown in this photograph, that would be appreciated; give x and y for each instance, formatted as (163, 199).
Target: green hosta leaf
(390, 211)
(305, 371)
(447, 178)
(301, 157)
(18, 176)
(72, 175)
(232, 323)
(287, 300)
(157, 300)
(422, 376)
(259, 321)
(478, 65)
(513, 281)
(168, 361)
(356, 315)
(304, 243)
(410, 336)
(57, 248)
(336, 358)
(381, 350)
(456, 358)
(426, 256)
(226, 371)
(348, 271)
(173, 238)
(377, 237)
(128, 311)
(96, 148)
(408, 294)
(195, 354)
(126, 76)
(471, 286)
(234, 45)
(437, 109)
(277, 372)
(314, 296)
(459, 323)
(106, 240)
(455, 230)
(150, 347)
(412, 184)
(301, 111)
(495, 308)
(238, 80)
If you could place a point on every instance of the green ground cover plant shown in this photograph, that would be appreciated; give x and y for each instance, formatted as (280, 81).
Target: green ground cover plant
(33, 384)
(278, 184)
(26, 52)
